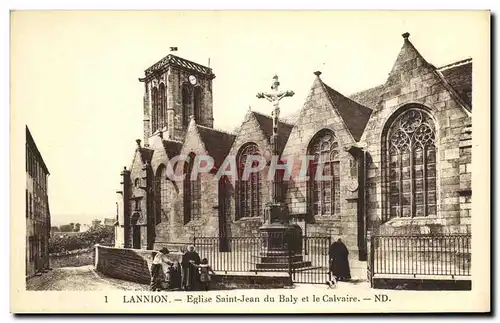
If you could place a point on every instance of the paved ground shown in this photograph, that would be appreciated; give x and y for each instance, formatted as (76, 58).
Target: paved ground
(83, 278)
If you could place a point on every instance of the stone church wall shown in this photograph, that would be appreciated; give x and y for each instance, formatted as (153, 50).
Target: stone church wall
(316, 115)
(419, 84)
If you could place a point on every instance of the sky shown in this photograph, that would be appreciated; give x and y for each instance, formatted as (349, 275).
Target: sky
(74, 76)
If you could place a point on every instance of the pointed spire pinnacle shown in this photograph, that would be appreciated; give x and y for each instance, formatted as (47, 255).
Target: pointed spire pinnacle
(317, 73)
(407, 61)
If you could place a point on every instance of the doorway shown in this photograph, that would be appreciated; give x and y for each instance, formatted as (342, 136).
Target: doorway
(223, 212)
(136, 232)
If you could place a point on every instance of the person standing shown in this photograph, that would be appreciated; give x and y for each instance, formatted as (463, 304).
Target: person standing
(190, 276)
(339, 260)
(157, 272)
(205, 273)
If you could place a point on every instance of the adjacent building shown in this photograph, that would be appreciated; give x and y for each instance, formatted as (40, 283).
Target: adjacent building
(399, 156)
(37, 210)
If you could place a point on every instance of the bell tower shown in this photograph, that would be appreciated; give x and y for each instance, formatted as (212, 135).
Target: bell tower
(175, 89)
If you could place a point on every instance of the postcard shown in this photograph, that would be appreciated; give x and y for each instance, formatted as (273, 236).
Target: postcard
(250, 161)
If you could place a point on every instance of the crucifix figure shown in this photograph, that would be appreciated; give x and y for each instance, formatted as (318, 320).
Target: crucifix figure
(280, 239)
(275, 97)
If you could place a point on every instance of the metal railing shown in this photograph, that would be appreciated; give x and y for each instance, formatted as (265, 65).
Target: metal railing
(304, 258)
(438, 255)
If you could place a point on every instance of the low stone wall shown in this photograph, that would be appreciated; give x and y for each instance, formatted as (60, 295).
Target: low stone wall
(134, 265)
(250, 280)
(74, 258)
(127, 264)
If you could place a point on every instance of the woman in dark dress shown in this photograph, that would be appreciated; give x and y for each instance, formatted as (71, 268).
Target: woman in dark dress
(190, 275)
(339, 260)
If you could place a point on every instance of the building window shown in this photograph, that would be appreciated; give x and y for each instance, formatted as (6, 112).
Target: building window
(161, 193)
(154, 108)
(186, 104)
(324, 191)
(30, 205)
(162, 107)
(137, 205)
(192, 191)
(137, 182)
(27, 204)
(249, 190)
(197, 102)
(411, 159)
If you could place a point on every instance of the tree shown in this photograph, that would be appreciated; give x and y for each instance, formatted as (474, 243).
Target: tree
(77, 227)
(66, 228)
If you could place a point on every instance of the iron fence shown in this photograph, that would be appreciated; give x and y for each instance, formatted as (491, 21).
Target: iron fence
(421, 255)
(304, 258)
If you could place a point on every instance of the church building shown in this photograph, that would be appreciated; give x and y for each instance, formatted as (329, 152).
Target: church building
(399, 156)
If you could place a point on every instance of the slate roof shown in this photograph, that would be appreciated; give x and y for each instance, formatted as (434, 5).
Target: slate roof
(217, 143)
(369, 98)
(172, 148)
(459, 76)
(179, 62)
(146, 155)
(266, 125)
(355, 115)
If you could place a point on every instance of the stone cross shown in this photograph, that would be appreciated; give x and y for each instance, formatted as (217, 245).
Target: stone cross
(275, 97)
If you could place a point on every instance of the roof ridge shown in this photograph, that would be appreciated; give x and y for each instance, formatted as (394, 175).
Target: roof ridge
(173, 140)
(455, 64)
(358, 92)
(216, 129)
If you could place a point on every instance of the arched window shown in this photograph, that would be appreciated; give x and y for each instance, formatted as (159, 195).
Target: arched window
(162, 107)
(186, 104)
(154, 109)
(192, 192)
(161, 194)
(198, 99)
(411, 159)
(248, 197)
(324, 191)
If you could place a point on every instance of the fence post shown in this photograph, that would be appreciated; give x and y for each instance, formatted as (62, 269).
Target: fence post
(290, 268)
(371, 251)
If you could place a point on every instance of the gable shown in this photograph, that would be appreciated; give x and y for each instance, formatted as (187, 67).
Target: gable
(250, 131)
(266, 125)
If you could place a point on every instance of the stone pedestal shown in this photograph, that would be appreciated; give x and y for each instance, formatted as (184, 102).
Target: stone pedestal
(281, 242)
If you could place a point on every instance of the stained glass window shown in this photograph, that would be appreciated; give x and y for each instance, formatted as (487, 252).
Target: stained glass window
(192, 192)
(249, 191)
(161, 194)
(411, 159)
(324, 193)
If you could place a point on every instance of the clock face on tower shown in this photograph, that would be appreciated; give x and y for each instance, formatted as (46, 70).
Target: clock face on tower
(192, 79)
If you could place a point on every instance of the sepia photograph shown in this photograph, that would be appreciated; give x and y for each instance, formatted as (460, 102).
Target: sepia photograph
(250, 162)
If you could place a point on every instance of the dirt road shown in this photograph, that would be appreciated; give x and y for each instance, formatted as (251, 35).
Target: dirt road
(83, 278)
